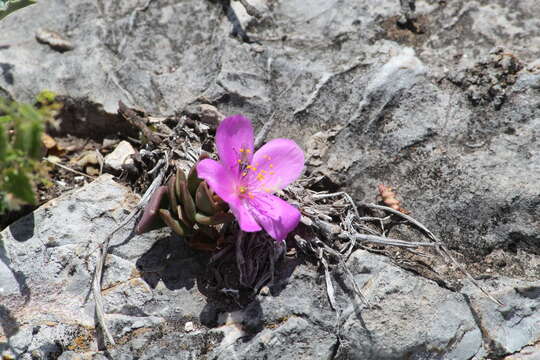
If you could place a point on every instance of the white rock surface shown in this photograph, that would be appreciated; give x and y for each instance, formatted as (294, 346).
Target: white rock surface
(120, 156)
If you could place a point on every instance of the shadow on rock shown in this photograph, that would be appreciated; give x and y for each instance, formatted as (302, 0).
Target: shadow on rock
(23, 230)
(7, 72)
(173, 262)
(7, 322)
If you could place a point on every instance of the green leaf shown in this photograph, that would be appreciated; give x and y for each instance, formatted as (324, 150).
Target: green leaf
(46, 97)
(9, 6)
(183, 218)
(19, 185)
(3, 143)
(28, 133)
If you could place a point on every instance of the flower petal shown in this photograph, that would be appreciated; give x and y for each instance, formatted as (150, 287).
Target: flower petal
(223, 182)
(279, 162)
(234, 137)
(244, 217)
(276, 216)
(220, 180)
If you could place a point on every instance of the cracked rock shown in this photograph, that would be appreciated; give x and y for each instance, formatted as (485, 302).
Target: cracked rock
(514, 325)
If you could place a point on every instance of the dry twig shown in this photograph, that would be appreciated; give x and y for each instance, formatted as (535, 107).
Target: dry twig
(104, 247)
(69, 169)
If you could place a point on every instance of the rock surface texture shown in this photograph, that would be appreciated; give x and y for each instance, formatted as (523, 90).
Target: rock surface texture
(446, 107)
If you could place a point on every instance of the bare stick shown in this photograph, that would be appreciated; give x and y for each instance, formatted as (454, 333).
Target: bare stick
(69, 169)
(387, 241)
(441, 248)
(329, 286)
(336, 194)
(104, 247)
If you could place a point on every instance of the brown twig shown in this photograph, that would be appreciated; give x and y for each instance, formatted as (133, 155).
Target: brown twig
(135, 120)
(69, 169)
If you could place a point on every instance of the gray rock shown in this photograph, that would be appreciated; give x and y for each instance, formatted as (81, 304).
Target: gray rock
(120, 156)
(512, 327)
(454, 127)
(409, 316)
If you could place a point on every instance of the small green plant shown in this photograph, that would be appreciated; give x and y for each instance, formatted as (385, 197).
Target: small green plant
(9, 6)
(21, 129)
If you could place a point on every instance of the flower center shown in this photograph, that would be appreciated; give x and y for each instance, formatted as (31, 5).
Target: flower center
(254, 177)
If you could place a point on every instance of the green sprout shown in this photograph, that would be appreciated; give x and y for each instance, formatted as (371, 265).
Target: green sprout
(21, 129)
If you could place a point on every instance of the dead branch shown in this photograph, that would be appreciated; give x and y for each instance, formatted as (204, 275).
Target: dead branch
(438, 245)
(104, 247)
(135, 120)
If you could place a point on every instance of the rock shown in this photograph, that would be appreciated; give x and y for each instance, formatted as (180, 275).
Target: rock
(512, 327)
(189, 326)
(428, 108)
(408, 316)
(44, 253)
(53, 39)
(206, 113)
(527, 353)
(120, 156)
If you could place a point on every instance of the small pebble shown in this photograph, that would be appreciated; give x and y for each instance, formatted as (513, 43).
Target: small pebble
(265, 291)
(189, 326)
(120, 156)
(53, 39)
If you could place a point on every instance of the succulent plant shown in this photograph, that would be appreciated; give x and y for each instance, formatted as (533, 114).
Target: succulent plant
(189, 208)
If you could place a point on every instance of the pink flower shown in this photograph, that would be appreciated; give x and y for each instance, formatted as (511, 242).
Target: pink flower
(247, 180)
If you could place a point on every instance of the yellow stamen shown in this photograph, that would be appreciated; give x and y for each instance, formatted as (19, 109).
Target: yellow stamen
(271, 166)
(242, 189)
(248, 151)
(241, 150)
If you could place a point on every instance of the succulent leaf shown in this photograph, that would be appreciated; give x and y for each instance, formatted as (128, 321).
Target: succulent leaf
(180, 179)
(175, 225)
(193, 181)
(188, 205)
(204, 201)
(183, 218)
(213, 220)
(173, 198)
(151, 211)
